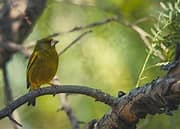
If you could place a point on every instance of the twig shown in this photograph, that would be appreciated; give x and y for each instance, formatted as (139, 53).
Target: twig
(141, 20)
(15, 47)
(146, 38)
(98, 23)
(143, 35)
(65, 106)
(143, 68)
(74, 41)
(88, 26)
(79, 28)
(14, 121)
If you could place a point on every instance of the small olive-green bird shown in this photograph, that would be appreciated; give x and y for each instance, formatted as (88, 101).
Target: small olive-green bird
(43, 64)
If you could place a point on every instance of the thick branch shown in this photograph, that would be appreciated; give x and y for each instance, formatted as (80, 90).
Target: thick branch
(162, 95)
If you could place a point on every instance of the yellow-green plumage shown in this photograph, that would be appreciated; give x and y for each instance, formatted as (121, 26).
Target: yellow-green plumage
(43, 64)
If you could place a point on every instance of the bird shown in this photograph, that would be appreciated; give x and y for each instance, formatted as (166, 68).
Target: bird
(42, 65)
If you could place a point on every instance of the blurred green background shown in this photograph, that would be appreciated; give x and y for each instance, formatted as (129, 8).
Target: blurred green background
(110, 59)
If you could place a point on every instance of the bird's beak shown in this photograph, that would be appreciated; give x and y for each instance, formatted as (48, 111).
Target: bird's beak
(54, 42)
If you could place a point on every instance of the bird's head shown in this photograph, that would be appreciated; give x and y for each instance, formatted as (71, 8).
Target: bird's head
(46, 43)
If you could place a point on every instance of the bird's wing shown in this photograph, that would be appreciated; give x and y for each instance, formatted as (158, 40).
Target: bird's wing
(30, 63)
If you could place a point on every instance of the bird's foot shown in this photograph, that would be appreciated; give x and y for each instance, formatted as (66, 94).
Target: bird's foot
(54, 86)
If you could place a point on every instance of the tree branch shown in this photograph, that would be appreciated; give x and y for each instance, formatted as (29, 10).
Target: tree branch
(147, 40)
(143, 35)
(65, 106)
(162, 95)
(95, 93)
(74, 41)
(88, 26)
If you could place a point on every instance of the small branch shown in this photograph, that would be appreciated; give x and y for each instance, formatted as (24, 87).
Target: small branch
(143, 35)
(146, 38)
(74, 41)
(143, 68)
(98, 95)
(14, 122)
(88, 26)
(79, 28)
(65, 106)
(92, 25)
(143, 19)
(13, 47)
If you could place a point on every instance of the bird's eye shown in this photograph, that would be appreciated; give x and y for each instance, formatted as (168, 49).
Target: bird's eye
(53, 42)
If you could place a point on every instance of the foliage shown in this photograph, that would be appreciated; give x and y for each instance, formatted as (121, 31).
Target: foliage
(166, 32)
